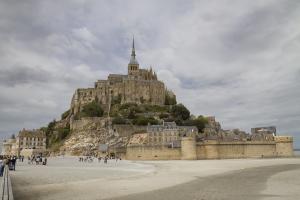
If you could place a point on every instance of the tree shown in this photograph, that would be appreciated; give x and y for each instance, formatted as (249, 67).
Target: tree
(170, 100)
(92, 109)
(131, 114)
(199, 122)
(13, 136)
(180, 111)
(63, 132)
(143, 121)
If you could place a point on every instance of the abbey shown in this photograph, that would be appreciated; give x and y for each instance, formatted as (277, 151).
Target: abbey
(138, 86)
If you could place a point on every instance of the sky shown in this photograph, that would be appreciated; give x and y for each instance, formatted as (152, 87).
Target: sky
(233, 59)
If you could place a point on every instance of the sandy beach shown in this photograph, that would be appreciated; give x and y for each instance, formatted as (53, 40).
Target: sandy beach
(66, 178)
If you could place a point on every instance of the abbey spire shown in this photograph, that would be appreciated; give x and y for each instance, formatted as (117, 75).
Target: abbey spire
(133, 65)
(132, 58)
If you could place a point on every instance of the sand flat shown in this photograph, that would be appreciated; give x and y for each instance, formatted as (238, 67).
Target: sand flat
(66, 178)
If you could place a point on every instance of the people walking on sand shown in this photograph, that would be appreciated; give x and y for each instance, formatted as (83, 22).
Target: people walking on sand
(105, 160)
(99, 159)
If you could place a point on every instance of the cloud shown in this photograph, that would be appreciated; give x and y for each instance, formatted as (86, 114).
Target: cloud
(22, 75)
(236, 60)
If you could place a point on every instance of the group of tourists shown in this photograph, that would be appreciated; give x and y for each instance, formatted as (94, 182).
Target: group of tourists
(38, 160)
(105, 159)
(10, 161)
(86, 159)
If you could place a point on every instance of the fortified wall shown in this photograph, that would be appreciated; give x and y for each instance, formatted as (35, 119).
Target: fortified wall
(282, 146)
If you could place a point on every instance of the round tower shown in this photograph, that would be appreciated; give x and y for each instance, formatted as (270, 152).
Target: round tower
(188, 148)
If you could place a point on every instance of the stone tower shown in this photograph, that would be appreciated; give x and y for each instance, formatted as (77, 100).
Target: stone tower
(133, 65)
(188, 148)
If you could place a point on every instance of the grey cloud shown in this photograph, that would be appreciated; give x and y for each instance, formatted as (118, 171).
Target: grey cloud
(15, 75)
(202, 82)
(260, 29)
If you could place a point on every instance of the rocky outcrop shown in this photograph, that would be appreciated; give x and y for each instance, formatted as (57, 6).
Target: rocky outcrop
(87, 134)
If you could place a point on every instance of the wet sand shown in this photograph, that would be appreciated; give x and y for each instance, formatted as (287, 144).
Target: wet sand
(66, 178)
(247, 184)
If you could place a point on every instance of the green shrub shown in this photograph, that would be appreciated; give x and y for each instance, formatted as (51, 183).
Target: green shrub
(119, 120)
(92, 109)
(179, 111)
(163, 115)
(65, 114)
(199, 122)
(127, 105)
(154, 108)
(116, 100)
(170, 100)
(63, 133)
(131, 115)
(143, 121)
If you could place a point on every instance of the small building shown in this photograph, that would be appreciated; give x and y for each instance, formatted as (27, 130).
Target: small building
(168, 133)
(9, 147)
(27, 142)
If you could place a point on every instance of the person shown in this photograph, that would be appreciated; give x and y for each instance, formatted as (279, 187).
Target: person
(45, 161)
(14, 160)
(10, 163)
(32, 159)
(2, 164)
(37, 160)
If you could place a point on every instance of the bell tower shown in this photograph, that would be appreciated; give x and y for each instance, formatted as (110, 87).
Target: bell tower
(133, 65)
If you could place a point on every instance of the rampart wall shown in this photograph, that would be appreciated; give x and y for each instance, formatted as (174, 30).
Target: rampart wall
(190, 150)
(149, 152)
(224, 150)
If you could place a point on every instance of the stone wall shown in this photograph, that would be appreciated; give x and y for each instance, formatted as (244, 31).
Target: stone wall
(88, 121)
(284, 146)
(281, 147)
(145, 152)
(224, 150)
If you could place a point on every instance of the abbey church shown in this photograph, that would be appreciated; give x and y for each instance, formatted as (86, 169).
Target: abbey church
(139, 86)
